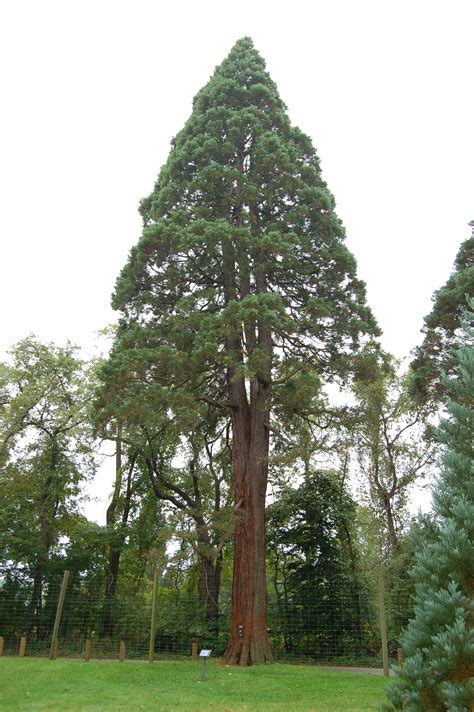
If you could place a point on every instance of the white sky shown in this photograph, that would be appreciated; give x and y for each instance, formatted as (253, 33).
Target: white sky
(93, 91)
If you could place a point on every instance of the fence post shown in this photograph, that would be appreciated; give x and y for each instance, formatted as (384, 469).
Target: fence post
(87, 652)
(194, 650)
(21, 651)
(151, 651)
(122, 651)
(383, 620)
(1, 645)
(57, 622)
(400, 657)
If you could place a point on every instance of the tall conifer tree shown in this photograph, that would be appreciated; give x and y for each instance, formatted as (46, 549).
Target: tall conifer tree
(437, 353)
(240, 296)
(438, 673)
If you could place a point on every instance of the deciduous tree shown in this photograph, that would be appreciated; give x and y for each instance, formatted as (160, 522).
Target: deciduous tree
(187, 472)
(391, 448)
(49, 452)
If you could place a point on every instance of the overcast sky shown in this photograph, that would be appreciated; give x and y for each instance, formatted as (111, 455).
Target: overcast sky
(93, 92)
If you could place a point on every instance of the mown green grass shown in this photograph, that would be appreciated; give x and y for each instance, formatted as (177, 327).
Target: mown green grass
(73, 686)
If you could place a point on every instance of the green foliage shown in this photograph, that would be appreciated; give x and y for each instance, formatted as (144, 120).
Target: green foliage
(437, 353)
(392, 448)
(371, 546)
(240, 237)
(48, 452)
(320, 594)
(239, 298)
(439, 641)
(186, 474)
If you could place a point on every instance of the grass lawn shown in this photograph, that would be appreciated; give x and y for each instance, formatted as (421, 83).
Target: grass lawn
(67, 685)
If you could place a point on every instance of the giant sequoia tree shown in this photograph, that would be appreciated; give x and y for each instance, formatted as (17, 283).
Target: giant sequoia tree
(240, 295)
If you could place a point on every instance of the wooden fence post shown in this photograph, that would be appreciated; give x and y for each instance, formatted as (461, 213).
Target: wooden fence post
(21, 651)
(2, 641)
(57, 621)
(151, 651)
(383, 621)
(122, 651)
(194, 650)
(400, 657)
(87, 652)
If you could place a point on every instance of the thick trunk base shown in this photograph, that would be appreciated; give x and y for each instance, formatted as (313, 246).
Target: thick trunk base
(249, 643)
(248, 652)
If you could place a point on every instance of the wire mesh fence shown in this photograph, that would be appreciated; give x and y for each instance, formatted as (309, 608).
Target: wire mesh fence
(315, 627)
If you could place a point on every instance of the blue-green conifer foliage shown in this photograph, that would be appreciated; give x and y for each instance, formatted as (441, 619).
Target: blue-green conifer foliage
(439, 641)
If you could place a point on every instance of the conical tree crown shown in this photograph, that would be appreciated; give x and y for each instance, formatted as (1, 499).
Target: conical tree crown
(233, 118)
(240, 237)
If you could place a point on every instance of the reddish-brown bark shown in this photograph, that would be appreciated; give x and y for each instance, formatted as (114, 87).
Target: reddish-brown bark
(250, 405)
(249, 643)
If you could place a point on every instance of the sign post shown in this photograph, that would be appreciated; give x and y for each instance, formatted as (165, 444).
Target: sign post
(203, 655)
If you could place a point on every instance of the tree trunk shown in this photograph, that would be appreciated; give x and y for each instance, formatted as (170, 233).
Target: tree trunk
(249, 643)
(115, 546)
(250, 417)
(108, 620)
(36, 598)
(46, 517)
(209, 588)
(391, 530)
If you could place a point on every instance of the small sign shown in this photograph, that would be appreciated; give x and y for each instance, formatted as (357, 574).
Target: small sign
(203, 655)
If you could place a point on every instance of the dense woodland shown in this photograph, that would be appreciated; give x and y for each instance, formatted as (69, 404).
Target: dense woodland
(266, 447)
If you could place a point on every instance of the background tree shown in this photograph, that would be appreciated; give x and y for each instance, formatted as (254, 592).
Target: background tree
(241, 293)
(129, 496)
(392, 454)
(50, 452)
(437, 353)
(198, 491)
(391, 448)
(188, 472)
(320, 592)
(438, 643)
